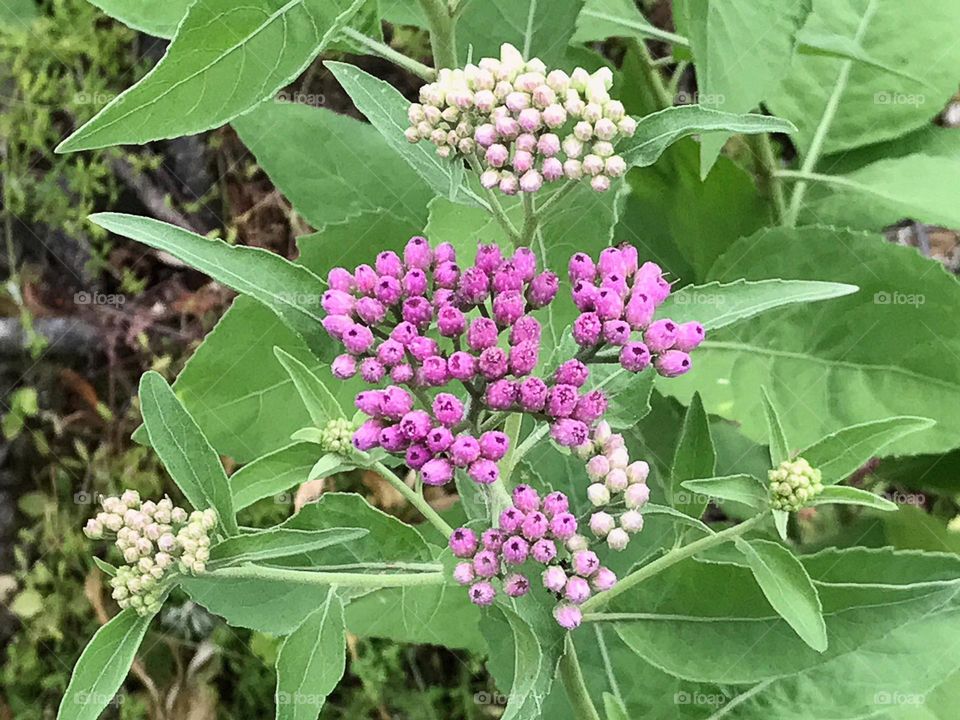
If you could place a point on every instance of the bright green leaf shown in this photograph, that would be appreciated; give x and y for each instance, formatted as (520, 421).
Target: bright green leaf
(779, 447)
(275, 473)
(319, 401)
(843, 495)
(744, 489)
(154, 18)
(278, 542)
(694, 457)
(843, 47)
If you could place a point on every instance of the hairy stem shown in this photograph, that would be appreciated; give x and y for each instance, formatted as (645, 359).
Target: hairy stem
(442, 37)
(530, 222)
(310, 577)
(826, 120)
(414, 499)
(388, 53)
(574, 683)
(568, 187)
(665, 561)
(766, 169)
(655, 85)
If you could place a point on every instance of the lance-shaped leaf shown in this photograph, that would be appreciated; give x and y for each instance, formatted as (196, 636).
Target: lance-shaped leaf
(843, 495)
(386, 109)
(279, 542)
(320, 402)
(226, 58)
(311, 661)
(291, 291)
(716, 305)
(656, 132)
(787, 586)
(779, 448)
(694, 457)
(154, 18)
(102, 666)
(184, 450)
(842, 453)
(744, 489)
(276, 473)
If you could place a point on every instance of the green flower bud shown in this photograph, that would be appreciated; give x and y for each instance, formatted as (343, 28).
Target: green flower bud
(793, 484)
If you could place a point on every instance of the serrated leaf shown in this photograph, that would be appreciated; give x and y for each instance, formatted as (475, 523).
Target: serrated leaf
(694, 457)
(160, 19)
(744, 489)
(319, 401)
(275, 473)
(842, 453)
(777, 441)
(102, 666)
(184, 451)
(311, 661)
(844, 495)
(279, 542)
(386, 109)
(291, 291)
(716, 305)
(789, 589)
(225, 59)
(656, 132)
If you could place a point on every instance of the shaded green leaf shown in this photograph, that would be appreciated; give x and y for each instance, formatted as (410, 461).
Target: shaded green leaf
(694, 457)
(779, 448)
(843, 495)
(744, 489)
(279, 542)
(320, 402)
(154, 18)
(277, 472)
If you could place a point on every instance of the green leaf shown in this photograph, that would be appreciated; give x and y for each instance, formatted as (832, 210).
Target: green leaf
(842, 453)
(601, 19)
(332, 167)
(225, 59)
(781, 519)
(184, 451)
(628, 394)
(160, 19)
(694, 457)
(105, 567)
(820, 361)
(291, 291)
(276, 473)
(654, 509)
(613, 708)
(744, 489)
(716, 305)
(102, 666)
(279, 542)
(320, 403)
(779, 447)
(537, 28)
(728, 78)
(874, 105)
(843, 495)
(386, 109)
(789, 589)
(655, 133)
(311, 661)
(915, 186)
(235, 387)
(842, 47)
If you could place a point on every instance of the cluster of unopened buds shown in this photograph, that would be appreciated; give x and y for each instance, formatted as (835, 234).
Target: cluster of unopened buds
(154, 538)
(337, 435)
(616, 297)
(612, 474)
(793, 484)
(536, 536)
(522, 124)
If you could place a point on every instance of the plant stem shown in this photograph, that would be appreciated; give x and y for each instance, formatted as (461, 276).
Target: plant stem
(671, 558)
(766, 167)
(652, 75)
(310, 577)
(826, 120)
(388, 53)
(567, 188)
(496, 209)
(442, 38)
(414, 499)
(573, 682)
(530, 221)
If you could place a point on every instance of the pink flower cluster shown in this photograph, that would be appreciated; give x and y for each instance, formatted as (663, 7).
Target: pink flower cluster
(532, 530)
(617, 297)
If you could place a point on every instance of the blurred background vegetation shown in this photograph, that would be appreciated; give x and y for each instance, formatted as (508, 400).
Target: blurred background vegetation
(82, 316)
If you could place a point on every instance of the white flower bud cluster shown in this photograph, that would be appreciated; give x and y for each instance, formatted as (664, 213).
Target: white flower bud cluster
(337, 436)
(612, 474)
(151, 537)
(793, 483)
(524, 125)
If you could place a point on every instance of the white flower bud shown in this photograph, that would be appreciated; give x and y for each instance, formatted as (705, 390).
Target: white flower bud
(156, 572)
(579, 79)
(531, 181)
(134, 519)
(502, 89)
(592, 165)
(131, 555)
(120, 593)
(597, 467)
(605, 129)
(178, 515)
(198, 568)
(536, 65)
(148, 508)
(598, 494)
(93, 529)
(601, 524)
(628, 126)
(573, 169)
(584, 451)
(113, 522)
(415, 113)
(202, 554)
(510, 56)
(554, 116)
(467, 146)
(167, 542)
(484, 101)
(163, 560)
(613, 442)
(600, 183)
(615, 166)
(528, 82)
(558, 81)
(509, 185)
(616, 480)
(130, 497)
(632, 521)
(450, 115)
(144, 564)
(614, 110)
(618, 539)
(603, 149)
(490, 179)
(411, 135)
(517, 101)
(572, 146)
(583, 131)
(577, 543)
(603, 432)
(144, 546)
(162, 515)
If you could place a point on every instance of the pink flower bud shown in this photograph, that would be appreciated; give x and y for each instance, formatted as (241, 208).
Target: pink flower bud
(529, 120)
(554, 116)
(673, 363)
(485, 135)
(522, 162)
(497, 155)
(517, 101)
(592, 165)
(603, 580)
(531, 181)
(552, 169)
(509, 184)
(554, 578)
(600, 183)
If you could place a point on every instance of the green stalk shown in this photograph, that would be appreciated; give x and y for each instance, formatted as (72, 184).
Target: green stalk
(530, 222)
(388, 53)
(573, 681)
(442, 37)
(309, 577)
(665, 561)
(414, 499)
(826, 120)
(766, 167)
